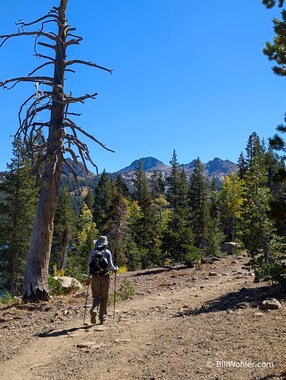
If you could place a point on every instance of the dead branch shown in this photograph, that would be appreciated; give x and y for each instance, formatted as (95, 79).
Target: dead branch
(6, 37)
(83, 160)
(73, 35)
(70, 71)
(29, 121)
(75, 141)
(47, 16)
(75, 41)
(36, 148)
(40, 99)
(32, 111)
(43, 100)
(79, 61)
(39, 125)
(70, 168)
(81, 99)
(22, 106)
(47, 45)
(70, 123)
(44, 57)
(43, 80)
(73, 113)
(72, 153)
(91, 161)
(69, 28)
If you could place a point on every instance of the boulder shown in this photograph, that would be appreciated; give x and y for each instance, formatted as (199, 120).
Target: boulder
(230, 247)
(270, 304)
(69, 282)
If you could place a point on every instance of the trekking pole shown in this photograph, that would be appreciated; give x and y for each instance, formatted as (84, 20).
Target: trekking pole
(114, 300)
(86, 296)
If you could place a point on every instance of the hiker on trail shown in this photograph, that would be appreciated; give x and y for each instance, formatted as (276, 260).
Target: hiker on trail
(99, 263)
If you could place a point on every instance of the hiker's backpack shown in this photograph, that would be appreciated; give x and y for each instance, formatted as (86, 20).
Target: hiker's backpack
(98, 264)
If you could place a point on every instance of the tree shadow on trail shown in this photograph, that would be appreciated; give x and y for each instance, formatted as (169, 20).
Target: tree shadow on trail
(53, 333)
(161, 269)
(251, 296)
(281, 376)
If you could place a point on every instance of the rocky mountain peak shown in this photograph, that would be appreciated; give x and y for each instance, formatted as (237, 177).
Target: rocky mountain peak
(148, 163)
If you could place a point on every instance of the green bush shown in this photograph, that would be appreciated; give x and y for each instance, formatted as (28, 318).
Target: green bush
(193, 257)
(55, 286)
(6, 298)
(126, 290)
(274, 271)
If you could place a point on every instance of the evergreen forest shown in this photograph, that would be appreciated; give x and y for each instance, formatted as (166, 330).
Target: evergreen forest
(163, 221)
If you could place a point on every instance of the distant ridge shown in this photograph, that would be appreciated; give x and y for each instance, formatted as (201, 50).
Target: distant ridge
(215, 168)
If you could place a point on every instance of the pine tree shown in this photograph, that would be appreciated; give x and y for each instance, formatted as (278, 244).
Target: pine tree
(256, 228)
(271, 3)
(241, 166)
(89, 199)
(63, 230)
(102, 202)
(83, 243)
(174, 189)
(199, 205)
(276, 52)
(133, 253)
(116, 223)
(146, 226)
(215, 236)
(17, 211)
(230, 205)
(121, 187)
(254, 151)
(157, 185)
(277, 185)
(177, 238)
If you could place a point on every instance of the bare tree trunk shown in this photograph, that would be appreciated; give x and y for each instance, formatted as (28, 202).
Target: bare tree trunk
(51, 150)
(36, 277)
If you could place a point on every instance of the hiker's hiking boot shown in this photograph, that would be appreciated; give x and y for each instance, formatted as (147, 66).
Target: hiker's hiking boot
(93, 317)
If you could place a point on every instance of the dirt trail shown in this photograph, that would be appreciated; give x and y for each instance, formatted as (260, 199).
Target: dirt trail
(182, 324)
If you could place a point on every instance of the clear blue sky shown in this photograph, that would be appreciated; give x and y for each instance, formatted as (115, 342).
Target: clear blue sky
(187, 75)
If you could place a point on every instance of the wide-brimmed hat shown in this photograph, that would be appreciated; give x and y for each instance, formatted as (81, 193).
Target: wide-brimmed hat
(101, 242)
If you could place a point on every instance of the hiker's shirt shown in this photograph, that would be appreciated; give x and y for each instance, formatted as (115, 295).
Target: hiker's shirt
(105, 254)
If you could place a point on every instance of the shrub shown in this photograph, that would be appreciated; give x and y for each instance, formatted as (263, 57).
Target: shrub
(126, 289)
(194, 257)
(274, 271)
(122, 269)
(55, 286)
(6, 298)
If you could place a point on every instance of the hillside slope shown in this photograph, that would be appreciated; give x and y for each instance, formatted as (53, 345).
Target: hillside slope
(182, 324)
